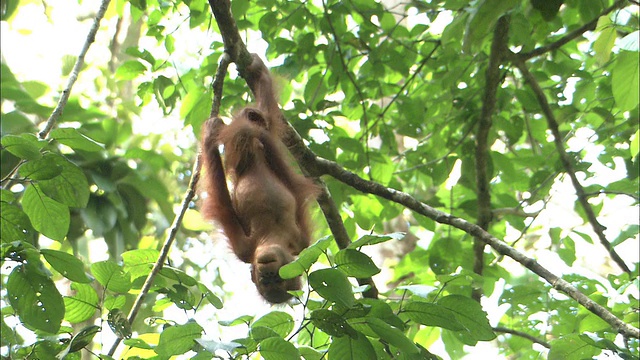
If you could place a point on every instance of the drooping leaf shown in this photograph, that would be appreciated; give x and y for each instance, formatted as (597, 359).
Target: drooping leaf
(278, 349)
(35, 299)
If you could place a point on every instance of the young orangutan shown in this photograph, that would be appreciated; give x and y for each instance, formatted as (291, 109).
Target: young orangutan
(266, 217)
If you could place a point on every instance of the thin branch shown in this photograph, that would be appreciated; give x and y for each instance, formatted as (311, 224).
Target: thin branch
(217, 85)
(91, 37)
(521, 334)
(492, 82)
(591, 25)
(552, 123)
(353, 81)
(411, 78)
(324, 166)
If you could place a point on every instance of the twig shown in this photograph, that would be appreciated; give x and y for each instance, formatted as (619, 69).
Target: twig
(164, 252)
(324, 166)
(591, 25)
(218, 82)
(521, 334)
(552, 123)
(91, 37)
(492, 81)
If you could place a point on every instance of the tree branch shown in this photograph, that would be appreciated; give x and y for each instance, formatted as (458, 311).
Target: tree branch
(591, 25)
(492, 82)
(521, 334)
(328, 167)
(552, 123)
(62, 102)
(217, 85)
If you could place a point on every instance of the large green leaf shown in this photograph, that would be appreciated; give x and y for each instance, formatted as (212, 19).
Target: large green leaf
(332, 285)
(469, 314)
(178, 339)
(70, 187)
(355, 263)
(66, 264)
(47, 216)
(112, 276)
(35, 299)
(278, 349)
(624, 80)
(351, 348)
(82, 305)
(280, 322)
(432, 315)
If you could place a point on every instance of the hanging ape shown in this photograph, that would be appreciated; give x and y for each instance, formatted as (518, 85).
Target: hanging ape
(265, 218)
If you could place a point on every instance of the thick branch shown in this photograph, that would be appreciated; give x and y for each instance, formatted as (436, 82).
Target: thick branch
(91, 37)
(331, 168)
(492, 82)
(552, 123)
(591, 25)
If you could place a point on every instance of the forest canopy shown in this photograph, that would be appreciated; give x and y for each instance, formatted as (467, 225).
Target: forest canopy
(477, 166)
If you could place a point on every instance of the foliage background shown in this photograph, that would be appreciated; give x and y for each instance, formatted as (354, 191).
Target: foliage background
(433, 99)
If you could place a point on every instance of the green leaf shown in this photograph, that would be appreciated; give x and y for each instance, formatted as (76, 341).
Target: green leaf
(634, 146)
(306, 258)
(355, 263)
(130, 70)
(25, 146)
(177, 275)
(605, 41)
(483, 21)
(40, 169)
(75, 140)
(112, 276)
(470, 315)
(66, 264)
(278, 349)
(210, 296)
(139, 262)
(373, 239)
(118, 322)
(35, 299)
(70, 187)
(332, 285)
(392, 335)
(189, 101)
(331, 323)
(624, 80)
(432, 315)
(82, 305)
(280, 322)
(351, 348)
(14, 224)
(571, 347)
(178, 339)
(47, 216)
(83, 338)
(548, 8)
